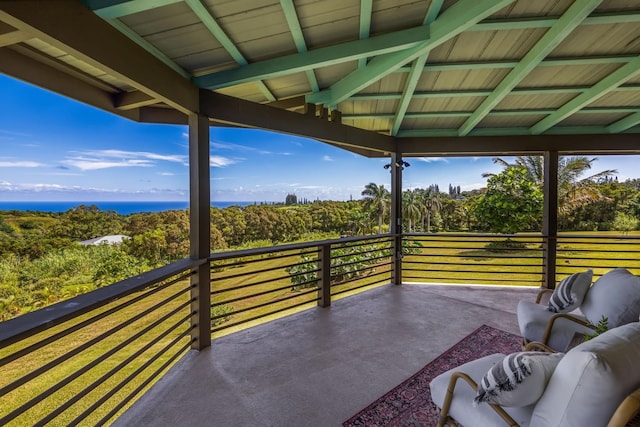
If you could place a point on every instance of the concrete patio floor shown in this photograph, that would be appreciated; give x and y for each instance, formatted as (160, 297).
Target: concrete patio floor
(321, 366)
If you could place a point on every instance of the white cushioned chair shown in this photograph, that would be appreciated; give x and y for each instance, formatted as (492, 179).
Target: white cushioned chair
(615, 295)
(587, 388)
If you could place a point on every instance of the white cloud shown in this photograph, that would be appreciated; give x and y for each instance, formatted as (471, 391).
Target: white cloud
(313, 187)
(230, 146)
(167, 174)
(327, 158)
(433, 159)
(20, 164)
(86, 164)
(121, 154)
(221, 145)
(220, 161)
(105, 159)
(26, 190)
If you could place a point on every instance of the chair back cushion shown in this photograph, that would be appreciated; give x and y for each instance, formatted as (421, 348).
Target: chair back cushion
(591, 380)
(616, 296)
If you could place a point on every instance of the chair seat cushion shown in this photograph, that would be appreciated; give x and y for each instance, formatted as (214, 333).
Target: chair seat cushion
(616, 296)
(533, 319)
(461, 405)
(591, 380)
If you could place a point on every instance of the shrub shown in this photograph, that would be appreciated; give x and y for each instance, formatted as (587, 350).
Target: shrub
(347, 263)
(506, 245)
(220, 313)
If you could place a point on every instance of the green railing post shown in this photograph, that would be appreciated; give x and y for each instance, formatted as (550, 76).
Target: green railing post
(324, 285)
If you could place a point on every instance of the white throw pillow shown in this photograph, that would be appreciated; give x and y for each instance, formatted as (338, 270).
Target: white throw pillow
(518, 380)
(570, 292)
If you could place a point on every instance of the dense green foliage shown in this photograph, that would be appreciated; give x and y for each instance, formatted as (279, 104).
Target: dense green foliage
(41, 260)
(512, 203)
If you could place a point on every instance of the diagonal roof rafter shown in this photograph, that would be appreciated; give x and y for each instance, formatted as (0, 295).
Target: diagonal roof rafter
(207, 18)
(416, 72)
(598, 90)
(111, 9)
(366, 10)
(456, 19)
(290, 14)
(625, 124)
(573, 17)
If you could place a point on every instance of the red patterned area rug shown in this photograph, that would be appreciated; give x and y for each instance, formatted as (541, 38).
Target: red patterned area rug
(409, 404)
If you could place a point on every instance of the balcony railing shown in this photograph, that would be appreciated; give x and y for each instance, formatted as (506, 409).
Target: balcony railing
(85, 360)
(602, 252)
(474, 259)
(250, 286)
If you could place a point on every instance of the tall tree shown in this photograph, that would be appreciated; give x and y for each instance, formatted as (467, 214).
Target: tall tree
(574, 190)
(432, 204)
(411, 208)
(377, 199)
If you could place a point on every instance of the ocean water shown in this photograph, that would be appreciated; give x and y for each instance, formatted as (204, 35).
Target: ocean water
(123, 208)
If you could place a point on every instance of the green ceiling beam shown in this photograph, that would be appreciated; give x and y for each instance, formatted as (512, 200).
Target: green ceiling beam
(484, 92)
(298, 38)
(546, 22)
(601, 88)
(624, 124)
(563, 130)
(574, 15)
(494, 113)
(366, 10)
(548, 62)
(409, 89)
(148, 47)
(434, 133)
(415, 73)
(456, 19)
(322, 57)
(212, 25)
(111, 9)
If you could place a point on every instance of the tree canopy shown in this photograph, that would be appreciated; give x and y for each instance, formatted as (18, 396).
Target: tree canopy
(512, 202)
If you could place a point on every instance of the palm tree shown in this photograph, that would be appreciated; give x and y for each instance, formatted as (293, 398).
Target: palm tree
(377, 198)
(432, 204)
(573, 191)
(411, 207)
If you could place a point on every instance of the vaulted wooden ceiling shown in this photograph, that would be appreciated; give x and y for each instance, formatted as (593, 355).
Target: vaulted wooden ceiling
(430, 76)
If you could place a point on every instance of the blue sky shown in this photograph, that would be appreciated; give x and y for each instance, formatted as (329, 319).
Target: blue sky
(53, 148)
